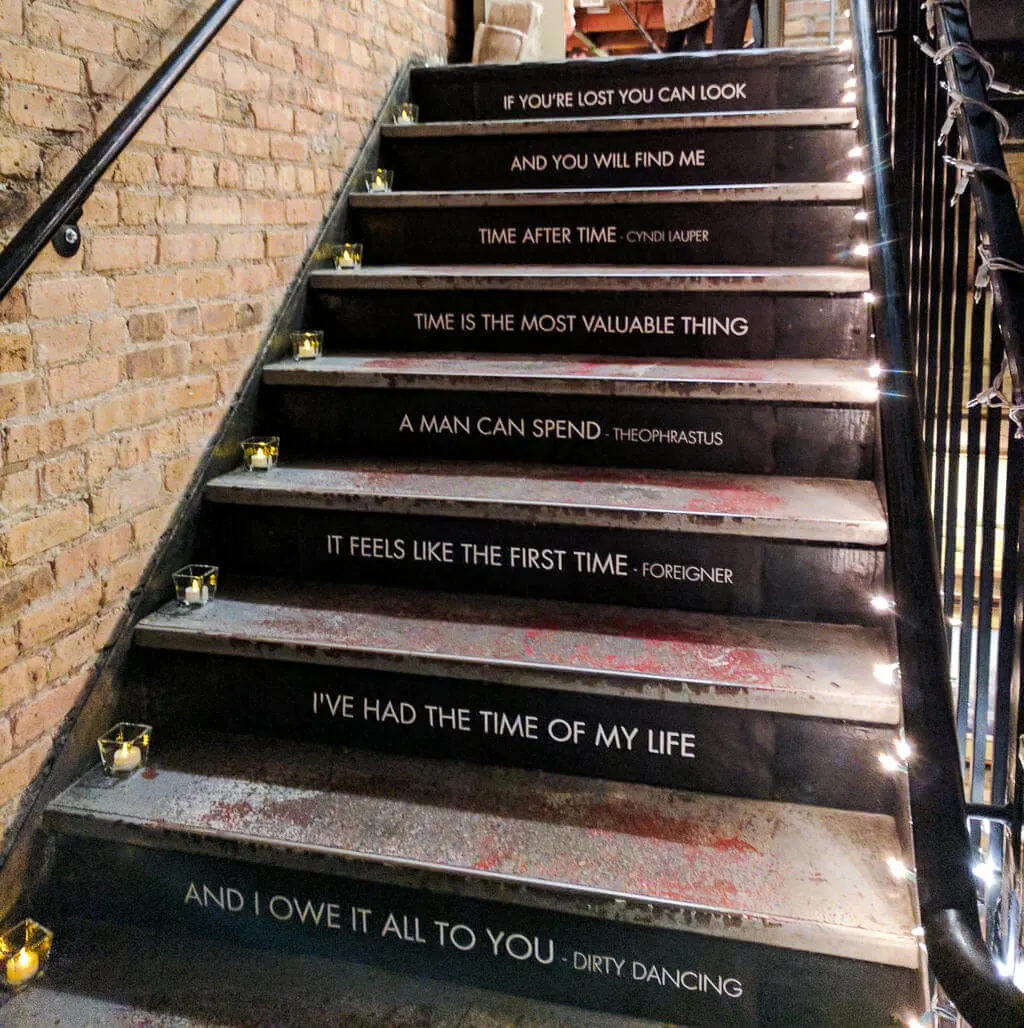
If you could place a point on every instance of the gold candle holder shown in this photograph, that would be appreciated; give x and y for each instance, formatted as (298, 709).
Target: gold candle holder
(24, 952)
(347, 256)
(260, 453)
(195, 584)
(379, 180)
(406, 114)
(124, 748)
(307, 346)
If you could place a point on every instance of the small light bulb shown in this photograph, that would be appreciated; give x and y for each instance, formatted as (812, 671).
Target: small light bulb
(874, 368)
(886, 673)
(861, 250)
(882, 603)
(861, 216)
(848, 98)
(846, 46)
(985, 872)
(898, 869)
(903, 748)
(889, 762)
(850, 84)
(850, 67)
(857, 151)
(858, 178)
(869, 297)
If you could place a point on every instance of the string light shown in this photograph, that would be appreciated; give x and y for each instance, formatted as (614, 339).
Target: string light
(886, 673)
(849, 98)
(875, 368)
(903, 748)
(870, 297)
(857, 151)
(899, 870)
(846, 46)
(850, 84)
(861, 216)
(856, 177)
(861, 250)
(882, 603)
(890, 763)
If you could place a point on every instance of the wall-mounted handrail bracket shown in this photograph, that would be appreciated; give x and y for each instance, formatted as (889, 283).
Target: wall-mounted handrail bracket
(67, 240)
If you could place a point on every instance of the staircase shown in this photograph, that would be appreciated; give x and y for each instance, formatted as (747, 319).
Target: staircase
(548, 661)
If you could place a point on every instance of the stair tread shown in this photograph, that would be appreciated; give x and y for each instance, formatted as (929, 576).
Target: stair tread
(795, 381)
(802, 668)
(822, 509)
(782, 874)
(769, 192)
(805, 117)
(599, 278)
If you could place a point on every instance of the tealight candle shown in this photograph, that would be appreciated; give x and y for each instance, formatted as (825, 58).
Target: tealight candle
(259, 459)
(307, 348)
(196, 593)
(348, 257)
(22, 967)
(407, 114)
(379, 181)
(127, 757)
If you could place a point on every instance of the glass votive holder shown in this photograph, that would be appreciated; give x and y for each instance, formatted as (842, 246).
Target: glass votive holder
(307, 346)
(260, 453)
(24, 951)
(379, 180)
(347, 256)
(406, 114)
(124, 748)
(195, 584)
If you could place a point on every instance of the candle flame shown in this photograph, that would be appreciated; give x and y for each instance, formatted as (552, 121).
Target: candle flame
(24, 958)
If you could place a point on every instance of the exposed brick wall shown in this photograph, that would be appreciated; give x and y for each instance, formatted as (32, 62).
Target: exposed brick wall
(807, 22)
(116, 366)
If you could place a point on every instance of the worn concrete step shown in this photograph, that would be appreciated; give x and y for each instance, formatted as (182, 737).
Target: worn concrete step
(666, 84)
(762, 146)
(810, 223)
(788, 547)
(762, 709)
(785, 417)
(691, 908)
(740, 312)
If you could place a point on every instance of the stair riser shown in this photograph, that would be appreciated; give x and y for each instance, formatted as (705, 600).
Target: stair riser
(748, 753)
(604, 430)
(663, 158)
(752, 232)
(500, 945)
(681, 324)
(738, 575)
(651, 87)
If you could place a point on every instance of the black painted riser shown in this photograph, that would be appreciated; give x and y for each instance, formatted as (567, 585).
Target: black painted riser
(653, 86)
(738, 575)
(752, 984)
(684, 324)
(749, 233)
(594, 430)
(663, 158)
(745, 753)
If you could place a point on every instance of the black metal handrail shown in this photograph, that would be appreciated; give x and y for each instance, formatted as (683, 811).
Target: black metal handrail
(946, 890)
(60, 211)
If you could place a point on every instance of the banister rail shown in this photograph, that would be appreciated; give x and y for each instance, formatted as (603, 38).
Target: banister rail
(943, 853)
(59, 213)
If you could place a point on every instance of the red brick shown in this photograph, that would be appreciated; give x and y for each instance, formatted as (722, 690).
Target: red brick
(19, 158)
(65, 474)
(22, 681)
(61, 297)
(22, 589)
(17, 774)
(86, 378)
(214, 210)
(60, 341)
(156, 362)
(46, 711)
(138, 489)
(61, 613)
(146, 290)
(120, 253)
(18, 490)
(15, 348)
(276, 54)
(91, 556)
(72, 652)
(46, 531)
(124, 576)
(23, 396)
(189, 134)
(10, 17)
(48, 109)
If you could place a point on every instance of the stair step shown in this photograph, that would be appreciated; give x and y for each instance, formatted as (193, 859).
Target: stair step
(781, 381)
(760, 709)
(806, 549)
(761, 146)
(784, 667)
(746, 505)
(759, 80)
(809, 418)
(799, 223)
(730, 313)
(385, 848)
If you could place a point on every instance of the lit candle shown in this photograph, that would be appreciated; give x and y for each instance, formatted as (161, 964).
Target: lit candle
(196, 593)
(22, 967)
(307, 348)
(127, 757)
(347, 259)
(379, 183)
(405, 116)
(260, 460)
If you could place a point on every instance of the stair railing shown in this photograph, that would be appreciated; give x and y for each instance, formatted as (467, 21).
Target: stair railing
(943, 851)
(56, 220)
